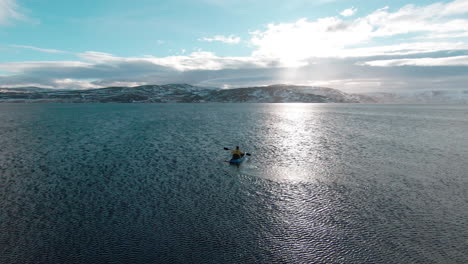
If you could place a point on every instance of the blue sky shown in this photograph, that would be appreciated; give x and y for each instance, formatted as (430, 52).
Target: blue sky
(354, 46)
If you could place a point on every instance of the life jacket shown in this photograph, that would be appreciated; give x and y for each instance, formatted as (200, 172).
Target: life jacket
(236, 152)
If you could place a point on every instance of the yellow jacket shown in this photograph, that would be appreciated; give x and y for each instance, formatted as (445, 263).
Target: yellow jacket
(235, 151)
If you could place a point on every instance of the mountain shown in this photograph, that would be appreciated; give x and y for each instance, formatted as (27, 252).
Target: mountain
(423, 97)
(28, 89)
(145, 93)
(185, 93)
(280, 93)
(180, 93)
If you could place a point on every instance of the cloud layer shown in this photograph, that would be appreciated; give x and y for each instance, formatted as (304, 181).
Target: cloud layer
(9, 11)
(231, 39)
(338, 37)
(38, 49)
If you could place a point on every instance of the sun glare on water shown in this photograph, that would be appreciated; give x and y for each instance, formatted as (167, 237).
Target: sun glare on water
(296, 136)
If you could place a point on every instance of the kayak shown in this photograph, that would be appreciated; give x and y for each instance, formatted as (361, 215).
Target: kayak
(237, 161)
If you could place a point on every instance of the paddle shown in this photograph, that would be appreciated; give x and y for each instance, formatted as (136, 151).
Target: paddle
(248, 154)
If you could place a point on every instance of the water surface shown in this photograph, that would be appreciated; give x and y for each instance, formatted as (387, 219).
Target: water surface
(326, 183)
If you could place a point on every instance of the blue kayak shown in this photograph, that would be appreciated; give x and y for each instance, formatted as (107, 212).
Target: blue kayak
(236, 161)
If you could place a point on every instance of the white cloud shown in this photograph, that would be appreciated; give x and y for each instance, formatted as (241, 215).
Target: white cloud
(348, 12)
(99, 84)
(415, 19)
(293, 43)
(231, 39)
(38, 49)
(9, 11)
(409, 48)
(444, 35)
(285, 4)
(456, 7)
(447, 61)
(69, 83)
(21, 67)
(98, 57)
(202, 60)
(195, 61)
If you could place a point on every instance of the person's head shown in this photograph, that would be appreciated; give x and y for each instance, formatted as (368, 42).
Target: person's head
(237, 147)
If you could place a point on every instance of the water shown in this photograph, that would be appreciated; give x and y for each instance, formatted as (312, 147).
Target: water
(326, 183)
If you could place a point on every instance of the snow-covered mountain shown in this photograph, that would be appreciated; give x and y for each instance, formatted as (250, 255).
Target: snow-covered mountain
(144, 93)
(187, 93)
(280, 93)
(27, 89)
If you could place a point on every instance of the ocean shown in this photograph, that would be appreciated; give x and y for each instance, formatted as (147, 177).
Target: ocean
(149, 183)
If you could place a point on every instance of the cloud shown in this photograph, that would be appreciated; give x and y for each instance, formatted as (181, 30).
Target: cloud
(243, 3)
(30, 66)
(460, 34)
(200, 60)
(348, 12)
(9, 10)
(209, 61)
(97, 68)
(404, 49)
(333, 36)
(231, 39)
(457, 7)
(38, 49)
(342, 73)
(294, 42)
(414, 19)
(98, 57)
(448, 61)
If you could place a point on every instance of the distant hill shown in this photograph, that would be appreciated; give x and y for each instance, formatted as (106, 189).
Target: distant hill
(185, 93)
(28, 89)
(423, 97)
(285, 94)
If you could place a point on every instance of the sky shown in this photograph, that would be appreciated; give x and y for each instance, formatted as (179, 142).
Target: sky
(354, 46)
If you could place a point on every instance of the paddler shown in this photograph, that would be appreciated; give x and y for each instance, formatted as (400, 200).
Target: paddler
(236, 153)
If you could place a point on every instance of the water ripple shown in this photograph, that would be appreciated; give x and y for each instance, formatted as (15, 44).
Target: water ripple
(148, 184)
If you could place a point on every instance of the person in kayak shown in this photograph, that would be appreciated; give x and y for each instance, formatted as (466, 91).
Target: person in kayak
(236, 153)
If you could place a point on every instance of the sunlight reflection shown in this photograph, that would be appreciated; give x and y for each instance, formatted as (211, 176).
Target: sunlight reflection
(299, 137)
(295, 137)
